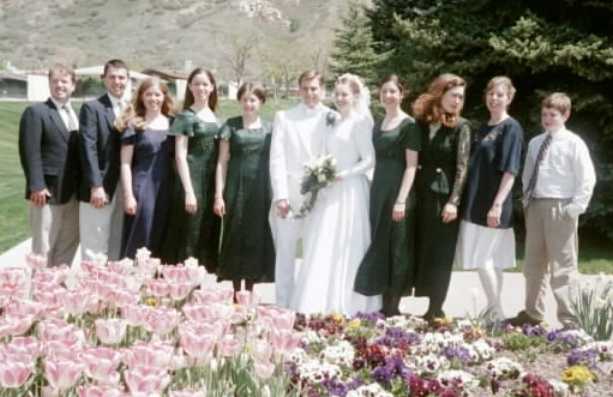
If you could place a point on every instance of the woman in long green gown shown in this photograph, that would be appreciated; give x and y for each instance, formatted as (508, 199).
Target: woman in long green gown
(243, 194)
(193, 229)
(388, 266)
(440, 180)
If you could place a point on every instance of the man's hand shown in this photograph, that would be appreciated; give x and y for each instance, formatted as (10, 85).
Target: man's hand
(450, 213)
(98, 197)
(39, 198)
(282, 208)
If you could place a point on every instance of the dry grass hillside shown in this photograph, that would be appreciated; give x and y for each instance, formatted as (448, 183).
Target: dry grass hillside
(166, 33)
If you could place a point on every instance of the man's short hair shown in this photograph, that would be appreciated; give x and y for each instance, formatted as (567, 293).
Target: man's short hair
(60, 68)
(558, 101)
(311, 75)
(117, 64)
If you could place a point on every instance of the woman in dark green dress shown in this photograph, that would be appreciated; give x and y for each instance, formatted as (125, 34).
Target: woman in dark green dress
(440, 180)
(243, 194)
(193, 228)
(388, 266)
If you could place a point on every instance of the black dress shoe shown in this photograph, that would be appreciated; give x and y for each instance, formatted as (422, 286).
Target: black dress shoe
(521, 319)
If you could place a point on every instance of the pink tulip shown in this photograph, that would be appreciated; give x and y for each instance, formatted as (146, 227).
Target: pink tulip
(14, 282)
(175, 274)
(63, 349)
(54, 328)
(101, 364)
(162, 321)
(24, 307)
(36, 261)
(228, 346)
(284, 319)
(111, 331)
(261, 350)
(26, 346)
(264, 369)
(99, 391)
(134, 314)
(179, 290)
(221, 311)
(199, 313)
(123, 297)
(158, 288)
(62, 374)
(14, 374)
(146, 380)
(77, 302)
(197, 274)
(213, 295)
(243, 298)
(284, 341)
(158, 355)
(196, 345)
(123, 267)
(15, 326)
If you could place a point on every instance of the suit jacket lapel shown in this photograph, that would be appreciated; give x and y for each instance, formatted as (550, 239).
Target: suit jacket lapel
(54, 113)
(108, 114)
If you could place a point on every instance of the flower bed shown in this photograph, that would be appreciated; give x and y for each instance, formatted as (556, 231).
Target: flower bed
(143, 329)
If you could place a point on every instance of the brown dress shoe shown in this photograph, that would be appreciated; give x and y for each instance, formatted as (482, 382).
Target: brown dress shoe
(523, 318)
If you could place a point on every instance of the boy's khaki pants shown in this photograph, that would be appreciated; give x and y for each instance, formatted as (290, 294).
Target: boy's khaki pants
(551, 250)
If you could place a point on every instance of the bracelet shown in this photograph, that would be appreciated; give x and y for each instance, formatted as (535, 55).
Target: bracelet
(400, 203)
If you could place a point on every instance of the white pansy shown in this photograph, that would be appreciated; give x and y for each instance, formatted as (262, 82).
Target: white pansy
(560, 389)
(342, 353)
(504, 368)
(466, 380)
(315, 371)
(371, 390)
(483, 349)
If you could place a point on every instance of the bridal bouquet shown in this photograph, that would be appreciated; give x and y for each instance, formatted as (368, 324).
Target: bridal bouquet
(317, 175)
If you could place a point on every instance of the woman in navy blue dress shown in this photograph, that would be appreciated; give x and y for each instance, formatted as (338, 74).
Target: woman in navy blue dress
(145, 166)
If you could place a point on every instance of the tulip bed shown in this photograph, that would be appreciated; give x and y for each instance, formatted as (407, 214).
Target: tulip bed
(137, 328)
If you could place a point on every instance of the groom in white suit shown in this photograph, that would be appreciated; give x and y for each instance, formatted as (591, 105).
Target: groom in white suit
(297, 138)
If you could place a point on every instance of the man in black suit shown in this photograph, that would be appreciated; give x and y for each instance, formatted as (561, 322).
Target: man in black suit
(48, 150)
(101, 207)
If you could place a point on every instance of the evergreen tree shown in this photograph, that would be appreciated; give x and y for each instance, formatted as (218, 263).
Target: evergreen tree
(353, 50)
(544, 46)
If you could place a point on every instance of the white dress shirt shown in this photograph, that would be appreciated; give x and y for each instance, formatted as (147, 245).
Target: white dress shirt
(118, 104)
(68, 115)
(566, 172)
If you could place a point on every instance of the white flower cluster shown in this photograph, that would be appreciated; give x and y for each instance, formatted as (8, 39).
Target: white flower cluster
(298, 356)
(604, 349)
(404, 322)
(342, 353)
(560, 389)
(315, 372)
(579, 335)
(483, 350)
(461, 378)
(428, 364)
(504, 368)
(434, 342)
(371, 390)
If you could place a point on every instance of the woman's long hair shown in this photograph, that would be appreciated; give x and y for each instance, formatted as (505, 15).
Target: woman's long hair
(134, 115)
(189, 97)
(427, 107)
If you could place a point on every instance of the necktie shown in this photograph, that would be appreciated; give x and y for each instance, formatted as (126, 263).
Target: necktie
(529, 191)
(71, 122)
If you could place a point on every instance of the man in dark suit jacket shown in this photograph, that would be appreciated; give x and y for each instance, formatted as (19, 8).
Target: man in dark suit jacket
(101, 206)
(48, 150)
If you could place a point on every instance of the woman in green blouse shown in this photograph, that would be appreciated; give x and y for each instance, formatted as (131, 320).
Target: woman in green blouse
(388, 266)
(440, 180)
(243, 194)
(193, 228)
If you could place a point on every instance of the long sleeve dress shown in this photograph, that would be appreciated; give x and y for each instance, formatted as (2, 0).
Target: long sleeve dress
(440, 179)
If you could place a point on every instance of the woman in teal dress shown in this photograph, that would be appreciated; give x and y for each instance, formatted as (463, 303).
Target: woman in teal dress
(193, 228)
(243, 194)
(440, 180)
(388, 265)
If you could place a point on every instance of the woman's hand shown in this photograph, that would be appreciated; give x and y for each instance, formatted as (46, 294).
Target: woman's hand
(219, 208)
(493, 216)
(191, 204)
(129, 205)
(398, 212)
(450, 213)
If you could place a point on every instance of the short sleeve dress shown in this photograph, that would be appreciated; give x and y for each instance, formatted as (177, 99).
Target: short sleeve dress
(497, 149)
(194, 235)
(389, 263)
(150, 180)
(247, 250)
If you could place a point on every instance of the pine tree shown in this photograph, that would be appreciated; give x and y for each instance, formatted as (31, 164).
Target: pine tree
(353, 50)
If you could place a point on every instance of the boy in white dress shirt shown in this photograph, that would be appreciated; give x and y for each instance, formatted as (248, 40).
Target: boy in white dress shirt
(558, 180)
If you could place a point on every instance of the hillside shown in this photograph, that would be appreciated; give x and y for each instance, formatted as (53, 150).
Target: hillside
(167, 33)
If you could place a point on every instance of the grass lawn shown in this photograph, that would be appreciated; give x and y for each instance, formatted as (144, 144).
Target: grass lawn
(595, 253)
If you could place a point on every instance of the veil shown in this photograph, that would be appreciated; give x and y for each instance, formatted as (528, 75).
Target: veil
(362, 103)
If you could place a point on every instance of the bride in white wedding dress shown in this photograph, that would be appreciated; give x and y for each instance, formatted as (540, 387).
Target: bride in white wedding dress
(337, 231)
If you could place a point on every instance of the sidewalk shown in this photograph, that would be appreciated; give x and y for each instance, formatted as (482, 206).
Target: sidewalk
(465, 297)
